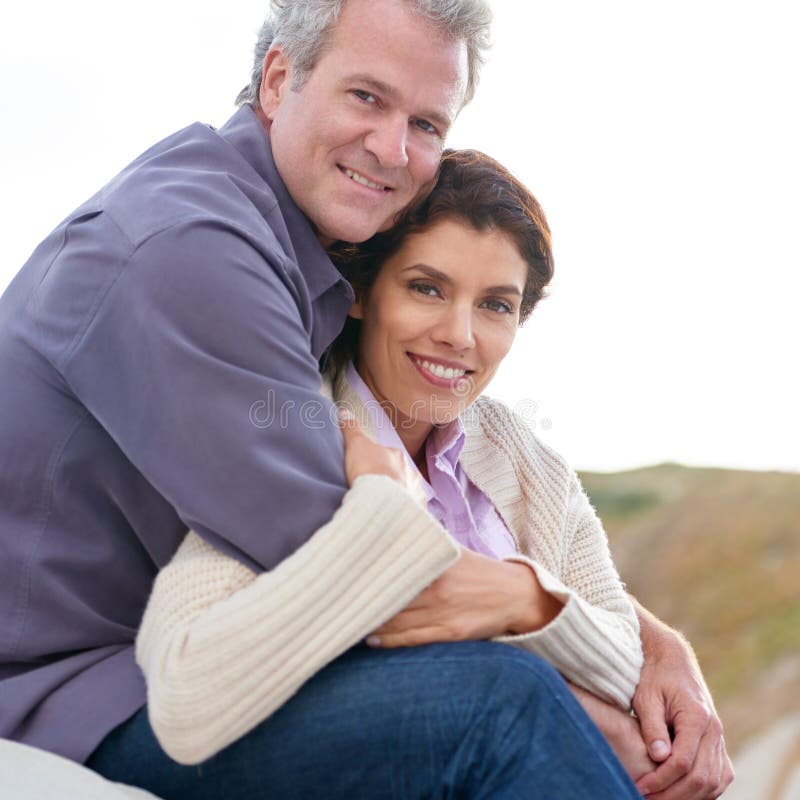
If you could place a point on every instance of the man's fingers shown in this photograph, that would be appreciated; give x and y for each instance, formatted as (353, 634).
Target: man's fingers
(705, 781)
(650, 710)
(689, 735)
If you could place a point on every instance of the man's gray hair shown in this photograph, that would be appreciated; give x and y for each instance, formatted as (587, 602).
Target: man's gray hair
(302, 28)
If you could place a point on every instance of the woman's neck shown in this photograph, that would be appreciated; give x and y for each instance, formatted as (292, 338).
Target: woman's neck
(412, 433)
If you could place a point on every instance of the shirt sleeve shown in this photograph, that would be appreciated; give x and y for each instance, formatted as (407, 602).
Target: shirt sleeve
(222, 648)
(197, 361)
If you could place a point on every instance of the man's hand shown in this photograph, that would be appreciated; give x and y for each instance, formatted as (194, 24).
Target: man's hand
(476, 598)
(672, 695)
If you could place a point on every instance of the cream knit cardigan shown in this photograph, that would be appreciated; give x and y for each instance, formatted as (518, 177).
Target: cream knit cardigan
(222, 648)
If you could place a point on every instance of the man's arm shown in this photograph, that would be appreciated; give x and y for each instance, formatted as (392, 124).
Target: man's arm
(672, 696)
(197, 361)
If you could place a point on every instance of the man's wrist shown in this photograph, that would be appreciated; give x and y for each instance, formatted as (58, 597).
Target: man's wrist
(657, 637)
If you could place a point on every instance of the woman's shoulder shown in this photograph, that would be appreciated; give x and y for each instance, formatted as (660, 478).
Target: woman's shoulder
(490, 425)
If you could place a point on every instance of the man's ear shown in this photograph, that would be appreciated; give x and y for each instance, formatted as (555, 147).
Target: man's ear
(357, 309)
(276, 81)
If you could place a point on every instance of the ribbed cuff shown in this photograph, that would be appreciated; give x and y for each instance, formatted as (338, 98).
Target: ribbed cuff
(590, 646)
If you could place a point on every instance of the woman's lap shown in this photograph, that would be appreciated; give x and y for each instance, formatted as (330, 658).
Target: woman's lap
(471, 719)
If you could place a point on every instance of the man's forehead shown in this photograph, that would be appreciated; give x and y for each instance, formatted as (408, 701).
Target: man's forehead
(421, 69)
(375, 28)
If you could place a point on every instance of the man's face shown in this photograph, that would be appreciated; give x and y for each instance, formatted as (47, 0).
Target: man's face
(364, 134)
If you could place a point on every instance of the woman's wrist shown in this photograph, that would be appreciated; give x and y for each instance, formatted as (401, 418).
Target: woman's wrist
(535, 607)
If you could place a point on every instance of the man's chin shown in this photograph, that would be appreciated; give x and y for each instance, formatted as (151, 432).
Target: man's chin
(352, 231)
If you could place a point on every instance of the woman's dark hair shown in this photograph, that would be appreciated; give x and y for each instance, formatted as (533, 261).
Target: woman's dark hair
(472, 188)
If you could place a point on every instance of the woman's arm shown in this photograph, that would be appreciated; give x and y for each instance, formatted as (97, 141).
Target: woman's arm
(480, 598)
(594, 640)
(222, 648)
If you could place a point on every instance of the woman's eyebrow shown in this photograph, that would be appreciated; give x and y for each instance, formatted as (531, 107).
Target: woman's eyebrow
(431, 272)
(438, 275)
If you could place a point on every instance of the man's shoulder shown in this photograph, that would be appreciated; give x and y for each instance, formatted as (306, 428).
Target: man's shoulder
(186, 221)
(195, 175)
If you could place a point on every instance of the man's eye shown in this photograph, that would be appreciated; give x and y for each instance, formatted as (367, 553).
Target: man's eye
(500, 306)
(365, 96)
(425, 126)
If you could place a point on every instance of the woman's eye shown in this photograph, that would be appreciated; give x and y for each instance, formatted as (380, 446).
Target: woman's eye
(427, 289)
(367, 97)
(499, 306)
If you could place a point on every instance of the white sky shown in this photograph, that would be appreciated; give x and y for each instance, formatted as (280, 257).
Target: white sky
(661, 138)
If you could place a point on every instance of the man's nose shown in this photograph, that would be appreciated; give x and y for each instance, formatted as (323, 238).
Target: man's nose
(388, 141)
(455, 328)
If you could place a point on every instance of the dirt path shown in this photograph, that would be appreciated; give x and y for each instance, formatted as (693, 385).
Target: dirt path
(787, 775)
(768, 767)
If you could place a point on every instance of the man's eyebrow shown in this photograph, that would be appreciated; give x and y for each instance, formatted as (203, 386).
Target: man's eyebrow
(443, 277)
(389, 91)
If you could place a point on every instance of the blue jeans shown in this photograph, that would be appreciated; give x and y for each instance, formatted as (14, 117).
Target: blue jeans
(466, 720)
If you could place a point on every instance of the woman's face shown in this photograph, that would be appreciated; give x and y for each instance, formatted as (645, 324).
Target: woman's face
(439, 319)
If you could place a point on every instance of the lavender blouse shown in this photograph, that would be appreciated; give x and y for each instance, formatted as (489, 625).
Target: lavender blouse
(461, 507)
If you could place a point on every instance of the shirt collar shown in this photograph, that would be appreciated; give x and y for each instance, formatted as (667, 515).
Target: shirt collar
(379, 422)
(445, 441)
(245, 132)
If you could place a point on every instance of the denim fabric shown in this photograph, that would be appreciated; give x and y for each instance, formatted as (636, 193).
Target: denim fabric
(465, 720)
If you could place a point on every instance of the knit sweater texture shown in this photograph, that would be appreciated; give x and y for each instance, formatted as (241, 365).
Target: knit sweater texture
(222, 647)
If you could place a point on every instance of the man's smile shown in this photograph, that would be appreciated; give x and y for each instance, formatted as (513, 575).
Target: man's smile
(363, 180)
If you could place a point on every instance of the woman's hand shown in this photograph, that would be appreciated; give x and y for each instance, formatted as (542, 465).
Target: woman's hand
(362, 456)
(476, 598)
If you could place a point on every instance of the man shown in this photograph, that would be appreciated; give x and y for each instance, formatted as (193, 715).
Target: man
(142, 333)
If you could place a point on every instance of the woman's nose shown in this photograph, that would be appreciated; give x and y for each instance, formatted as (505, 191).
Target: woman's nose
(455, 328)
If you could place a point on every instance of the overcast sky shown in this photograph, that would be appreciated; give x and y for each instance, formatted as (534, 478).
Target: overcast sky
(661, 139)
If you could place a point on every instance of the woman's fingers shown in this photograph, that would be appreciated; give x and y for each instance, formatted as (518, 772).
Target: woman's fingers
(362, 456)
(409, 638)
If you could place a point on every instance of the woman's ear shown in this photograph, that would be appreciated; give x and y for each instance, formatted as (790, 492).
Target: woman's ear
(357, 309)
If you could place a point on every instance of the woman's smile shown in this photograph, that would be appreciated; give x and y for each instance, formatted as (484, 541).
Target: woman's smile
(438, 320)
(438, 372)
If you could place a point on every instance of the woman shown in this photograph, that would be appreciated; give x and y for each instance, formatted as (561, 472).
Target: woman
(439, 300)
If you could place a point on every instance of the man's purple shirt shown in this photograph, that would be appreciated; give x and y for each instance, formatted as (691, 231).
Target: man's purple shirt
(155, 353)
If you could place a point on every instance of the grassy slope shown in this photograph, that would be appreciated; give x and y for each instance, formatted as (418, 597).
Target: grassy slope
(716, 553)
